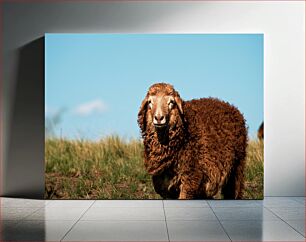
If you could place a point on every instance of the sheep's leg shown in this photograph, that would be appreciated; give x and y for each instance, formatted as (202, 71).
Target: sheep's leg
(239, 181)
(212, 185)
(235, 184)
(184, 193)
(189, 189)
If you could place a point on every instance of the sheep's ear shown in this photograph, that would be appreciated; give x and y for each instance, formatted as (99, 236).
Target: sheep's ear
(179, 103)
(142, 115)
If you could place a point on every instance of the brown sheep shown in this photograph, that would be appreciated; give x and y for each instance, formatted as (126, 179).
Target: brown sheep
(193, 149)
(260, 132)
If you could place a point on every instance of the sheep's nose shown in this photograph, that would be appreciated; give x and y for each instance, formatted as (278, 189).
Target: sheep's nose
(159, 118)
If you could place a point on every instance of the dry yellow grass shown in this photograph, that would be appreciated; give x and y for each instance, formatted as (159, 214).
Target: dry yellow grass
(254, 171)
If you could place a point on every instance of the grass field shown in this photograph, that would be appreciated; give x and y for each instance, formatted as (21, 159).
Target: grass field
(113, 169)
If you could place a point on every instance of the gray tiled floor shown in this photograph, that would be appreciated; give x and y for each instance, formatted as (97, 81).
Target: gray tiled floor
(244, 213)
(140, 213)
(197, 230)
(189, 214)
(118, 231)
(261, 230)
(274, 219)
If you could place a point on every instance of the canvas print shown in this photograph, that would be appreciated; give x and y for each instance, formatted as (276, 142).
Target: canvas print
(154, 116)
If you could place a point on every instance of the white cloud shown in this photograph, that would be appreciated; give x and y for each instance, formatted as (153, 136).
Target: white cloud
(95, 106)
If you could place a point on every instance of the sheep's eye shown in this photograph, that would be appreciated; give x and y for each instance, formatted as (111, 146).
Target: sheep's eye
(171, 102)
(150, 104)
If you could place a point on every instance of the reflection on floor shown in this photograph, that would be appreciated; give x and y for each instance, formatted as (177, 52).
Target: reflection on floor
(274, 219)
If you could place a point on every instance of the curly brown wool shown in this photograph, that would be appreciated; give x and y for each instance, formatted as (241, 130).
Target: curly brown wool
(193, 149)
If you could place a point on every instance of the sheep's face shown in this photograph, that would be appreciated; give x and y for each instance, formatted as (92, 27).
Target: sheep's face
(161, 108)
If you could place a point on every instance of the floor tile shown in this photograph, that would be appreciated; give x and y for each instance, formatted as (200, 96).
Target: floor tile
(118, 231)
(39, 230)
(189, 214)
(261, 231)
(124, 214)
(196, 231)
(300, 200)
(22, 203)
(289, 213)
(185, 203)
(128, 203)
(57, 214)
(255, 213)
(16, 213)
(235, 203)
(69, 203)
(281, 202)
(298, 225)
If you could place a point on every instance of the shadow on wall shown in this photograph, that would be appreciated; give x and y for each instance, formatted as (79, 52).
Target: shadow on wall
(30, 230)
(25, 152)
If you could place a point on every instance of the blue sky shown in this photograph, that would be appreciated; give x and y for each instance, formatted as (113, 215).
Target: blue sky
(99, 80)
